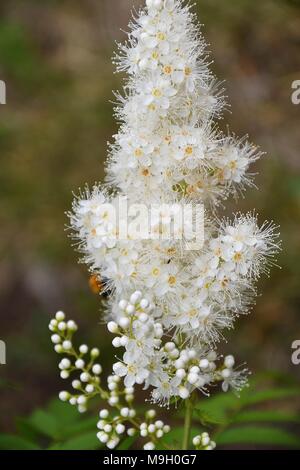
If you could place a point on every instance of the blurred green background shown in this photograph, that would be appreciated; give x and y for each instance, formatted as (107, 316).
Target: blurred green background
(55, 59)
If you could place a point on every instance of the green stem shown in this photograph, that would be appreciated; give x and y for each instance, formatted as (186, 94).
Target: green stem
(187, 425)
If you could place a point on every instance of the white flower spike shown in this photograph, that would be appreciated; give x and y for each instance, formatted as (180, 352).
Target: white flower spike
(168, 306)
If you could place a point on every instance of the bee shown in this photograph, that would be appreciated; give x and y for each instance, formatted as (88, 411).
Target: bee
(96, 284)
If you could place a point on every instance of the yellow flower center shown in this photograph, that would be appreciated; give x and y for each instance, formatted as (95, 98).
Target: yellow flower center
(155, 272)
(189, 150)
(152, 107)
(138, 152)
(165, 385)
(145, 172)
(172, 280)
(156, 92)
(161, 36)
(192, 313)
(237, 257)
(168, 69)
(131, 369)
(187, 71)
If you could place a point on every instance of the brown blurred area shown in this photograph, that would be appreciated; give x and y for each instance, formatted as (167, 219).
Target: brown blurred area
(55, 59)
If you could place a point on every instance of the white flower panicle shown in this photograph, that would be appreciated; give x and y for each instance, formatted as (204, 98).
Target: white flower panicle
(169, 306)
(168, 149)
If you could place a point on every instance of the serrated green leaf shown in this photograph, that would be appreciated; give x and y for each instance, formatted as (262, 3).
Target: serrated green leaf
(258, 436)
(219, 401)
(218, 407)
(211, 417)
(274, 416)
(215, 410)
(269, 395)
(10, 442)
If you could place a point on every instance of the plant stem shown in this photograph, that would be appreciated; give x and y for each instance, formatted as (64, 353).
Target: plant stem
(187, 424)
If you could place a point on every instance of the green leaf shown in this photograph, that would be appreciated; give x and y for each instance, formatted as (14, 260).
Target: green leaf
(45, 423)
(269, 395)
(220, 409)
(10, 442)
(216, 416)
(26, 430)
(65, 413)
(274, 416)
(87, 441)
(215, 410)
(127, 443)
(278, 377)
(259, 436)
(82, 427)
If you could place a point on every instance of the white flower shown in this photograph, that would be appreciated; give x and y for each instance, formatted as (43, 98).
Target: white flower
(236, 379)
(133, 369)
(166, 389)
(240, 235)
(156, 94)
(194, 316)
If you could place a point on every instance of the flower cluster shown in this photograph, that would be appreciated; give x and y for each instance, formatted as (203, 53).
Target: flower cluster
(81, 361)
(168, 306)
(121, 419)
(169, 367)
(168, 136)
(153, 430)
(112, 428)
(203, 442)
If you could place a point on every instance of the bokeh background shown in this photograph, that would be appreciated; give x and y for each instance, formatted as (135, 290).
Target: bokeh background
(55, 57)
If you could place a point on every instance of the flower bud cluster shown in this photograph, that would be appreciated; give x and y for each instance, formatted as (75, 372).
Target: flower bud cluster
(203, 442)
(113, 428)
(153, 430)
(120, 419)
(82, 362)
